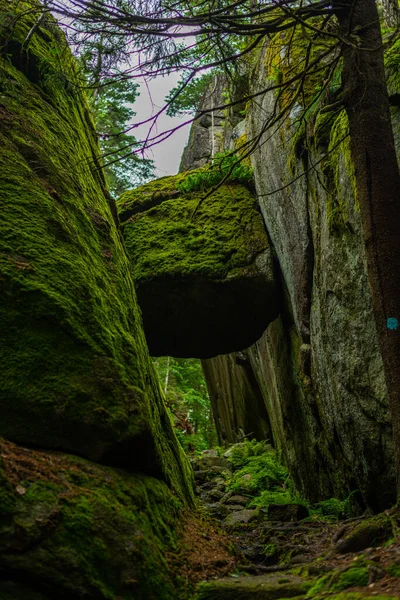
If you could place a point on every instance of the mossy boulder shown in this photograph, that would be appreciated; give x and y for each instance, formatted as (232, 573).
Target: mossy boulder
(76, 374)
(72, 529)
(202, 266)
(265, 587)
(371, 532)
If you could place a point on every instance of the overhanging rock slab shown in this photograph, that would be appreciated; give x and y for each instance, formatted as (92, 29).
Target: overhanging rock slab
(205, 281)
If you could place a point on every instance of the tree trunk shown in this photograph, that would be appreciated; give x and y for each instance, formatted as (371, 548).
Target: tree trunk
(391, 12)
(166, 377)
(377, 179)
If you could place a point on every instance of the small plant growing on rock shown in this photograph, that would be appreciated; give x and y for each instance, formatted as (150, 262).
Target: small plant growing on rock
(227, 166)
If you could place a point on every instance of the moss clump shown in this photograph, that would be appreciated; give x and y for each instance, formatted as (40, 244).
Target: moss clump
(392, 63)
(86, 531)
(75, 368)
(354, 596)
(227, 232)
(225, 166)
(338, 581)
(356, 576)
(261, 587)
(371, 532)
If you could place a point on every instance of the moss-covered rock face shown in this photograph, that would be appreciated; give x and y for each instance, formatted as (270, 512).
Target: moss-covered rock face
(73, 529)
(75, 371)
(205, 283)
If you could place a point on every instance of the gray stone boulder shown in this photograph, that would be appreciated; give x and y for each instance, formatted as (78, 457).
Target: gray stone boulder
(205, 281)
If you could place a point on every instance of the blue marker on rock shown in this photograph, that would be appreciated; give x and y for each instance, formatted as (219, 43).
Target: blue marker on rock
(392, 324)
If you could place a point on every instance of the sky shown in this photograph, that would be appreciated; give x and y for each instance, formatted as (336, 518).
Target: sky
(167, 154)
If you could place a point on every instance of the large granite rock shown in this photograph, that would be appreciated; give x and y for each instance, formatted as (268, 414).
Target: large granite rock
(72, 529)
(75, 370)
(318, 366)
(238, 405)
(205, 282)
(206, 136)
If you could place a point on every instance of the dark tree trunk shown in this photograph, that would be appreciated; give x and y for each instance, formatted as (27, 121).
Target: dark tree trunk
(378, 181)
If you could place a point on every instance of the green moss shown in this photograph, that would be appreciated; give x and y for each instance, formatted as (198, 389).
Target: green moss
(370, 532)
(356, 576)
(392, 63)
(340, 580)
(339, 160)
(89, 530)
(225, 165)
(76, 373)
(319, 586)
(353, 596)
(394, 570)
(271, 550)
(226, 233)
(259, 588)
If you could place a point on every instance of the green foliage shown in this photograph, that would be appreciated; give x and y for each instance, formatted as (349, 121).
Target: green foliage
(332, 508)
(189, 99)
(270, 550)
(240, 453)
(112, 113)
(280, 496)
(187, 398)
(226, 164)
(394, 570)
(111, 99)
(260, 472)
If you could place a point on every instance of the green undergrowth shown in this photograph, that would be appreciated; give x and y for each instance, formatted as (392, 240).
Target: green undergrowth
(227, 232)
(392, 63)
(226, 165)
(260, 473)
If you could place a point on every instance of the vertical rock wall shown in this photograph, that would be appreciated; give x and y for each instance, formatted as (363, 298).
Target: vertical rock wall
(318, 366)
